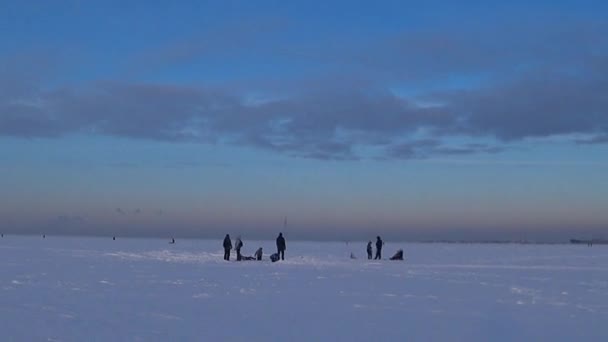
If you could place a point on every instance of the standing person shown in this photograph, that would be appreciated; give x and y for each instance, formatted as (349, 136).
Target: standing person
(238, 245)
(227, 247)
(379, 244)
(369, 250)
(281, 247)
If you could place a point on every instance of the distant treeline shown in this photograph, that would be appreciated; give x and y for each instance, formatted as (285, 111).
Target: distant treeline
(589, 242)
(517, 242)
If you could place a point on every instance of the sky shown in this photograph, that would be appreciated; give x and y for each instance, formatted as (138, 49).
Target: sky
(434, 120)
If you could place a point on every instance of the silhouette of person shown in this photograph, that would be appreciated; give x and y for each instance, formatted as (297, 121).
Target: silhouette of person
(113, 238)
(238, 245)
(379, 244)
(227, 247)
(258, 254)
(369, 250)
(172, 241)
(281, 246)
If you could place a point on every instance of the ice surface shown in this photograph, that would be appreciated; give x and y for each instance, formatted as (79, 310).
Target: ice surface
(96, 289)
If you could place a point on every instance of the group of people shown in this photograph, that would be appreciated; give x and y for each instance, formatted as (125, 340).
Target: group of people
(238, 245)
(379, 245)
(281, 247)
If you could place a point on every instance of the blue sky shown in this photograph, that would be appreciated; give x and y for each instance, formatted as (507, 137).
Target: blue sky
(442, 120)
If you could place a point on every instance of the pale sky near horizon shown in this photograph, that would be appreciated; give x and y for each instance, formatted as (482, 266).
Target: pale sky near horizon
(443, 120)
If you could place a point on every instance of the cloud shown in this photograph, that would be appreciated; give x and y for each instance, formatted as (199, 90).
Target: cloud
(477, 49)
(426, 148)
(538, 106)
(598, 139)
(336, 123)
(539, 81)
(242, 38)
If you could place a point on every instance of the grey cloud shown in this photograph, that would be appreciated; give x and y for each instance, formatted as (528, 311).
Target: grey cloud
(331, 124)
(242, 39)
(337, 119)
(533, 107)
(599, 139)
(473, 50)
(146, 111)
(320, 125)
(419, 149)
(412, 56)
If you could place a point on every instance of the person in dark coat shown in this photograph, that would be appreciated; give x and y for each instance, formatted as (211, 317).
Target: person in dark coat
(379, 244)
(369, 250)
(258, 254)
(238, 245)
(281, 246)
(227, 247)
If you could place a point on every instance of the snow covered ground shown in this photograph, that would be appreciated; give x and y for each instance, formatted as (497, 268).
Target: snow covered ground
(96, 289)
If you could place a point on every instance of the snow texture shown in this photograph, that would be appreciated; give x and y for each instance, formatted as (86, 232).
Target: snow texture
(96, 289)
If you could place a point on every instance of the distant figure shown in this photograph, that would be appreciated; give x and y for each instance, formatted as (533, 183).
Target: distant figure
(113, 238)
(352, 255)
(398, 255)
(227, 247)
(369, 250)
(43, 236)
(238, 245)
(281, 246)
(2, 235)
(172, 241)
(379, 244)
(258, 254)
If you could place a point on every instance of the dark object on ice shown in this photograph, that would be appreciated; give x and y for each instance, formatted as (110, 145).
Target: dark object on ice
(352, 255)
(248, 258)
(227, 247)
(379, 244)
(369, 250)
(281, 246)
(398, 255)
(274, 257)
(113, 238)
(238, 245)
(258, 254)
(43, 236)
(172, 241)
